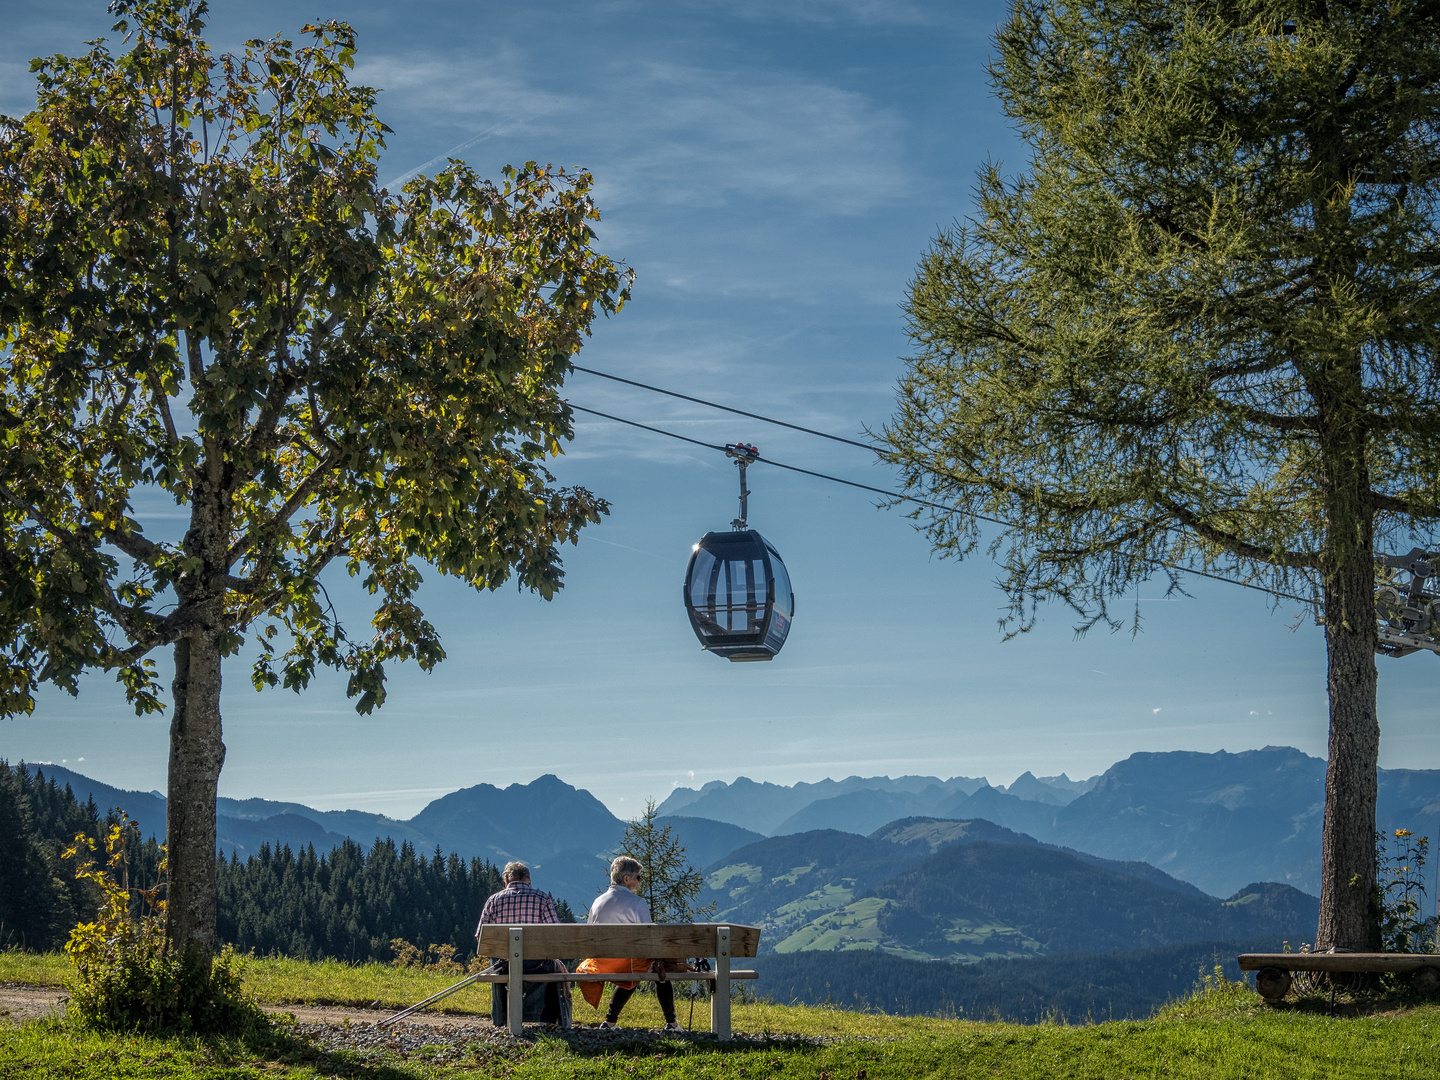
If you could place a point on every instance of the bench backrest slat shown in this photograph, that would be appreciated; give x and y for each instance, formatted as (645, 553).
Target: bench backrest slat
(620, 940)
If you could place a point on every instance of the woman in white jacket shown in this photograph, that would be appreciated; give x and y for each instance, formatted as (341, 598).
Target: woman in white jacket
(621, 903)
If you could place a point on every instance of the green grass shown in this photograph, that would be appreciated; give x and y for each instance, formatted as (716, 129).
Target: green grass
(1223, 1031)
(844, 924)
(33, 969)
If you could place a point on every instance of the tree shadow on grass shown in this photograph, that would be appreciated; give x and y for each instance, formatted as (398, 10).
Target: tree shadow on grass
(1352, 1002)
(282, 1045)
(384, 1058)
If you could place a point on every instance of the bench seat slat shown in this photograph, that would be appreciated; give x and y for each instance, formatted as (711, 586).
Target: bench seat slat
(624, 941)
(1361, 962)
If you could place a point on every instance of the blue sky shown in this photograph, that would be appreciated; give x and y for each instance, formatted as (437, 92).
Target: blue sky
(772, 172)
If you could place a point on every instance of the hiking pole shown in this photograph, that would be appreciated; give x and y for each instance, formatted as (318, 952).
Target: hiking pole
(436, 997)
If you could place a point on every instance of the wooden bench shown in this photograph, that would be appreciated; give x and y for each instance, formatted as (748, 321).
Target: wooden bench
(1274, 979)
(626, 941)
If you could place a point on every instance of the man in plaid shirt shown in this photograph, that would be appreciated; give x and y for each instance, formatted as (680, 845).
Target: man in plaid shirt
(518, 903)
(515, 905)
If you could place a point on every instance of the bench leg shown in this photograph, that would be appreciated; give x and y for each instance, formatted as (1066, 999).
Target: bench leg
(515, 994)
(1272, 984)
(720, 1002)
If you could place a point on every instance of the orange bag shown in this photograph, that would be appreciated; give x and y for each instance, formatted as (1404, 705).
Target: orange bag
(593, 991)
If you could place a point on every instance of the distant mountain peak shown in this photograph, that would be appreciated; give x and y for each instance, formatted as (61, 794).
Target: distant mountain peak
(540, 783)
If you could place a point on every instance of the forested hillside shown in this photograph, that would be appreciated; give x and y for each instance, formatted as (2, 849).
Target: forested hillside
(348, 904)
(1077, 988)
(1043, 900)
(925, 888)
(40, 899)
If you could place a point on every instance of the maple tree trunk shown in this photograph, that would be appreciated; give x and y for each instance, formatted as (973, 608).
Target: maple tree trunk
(196, 756)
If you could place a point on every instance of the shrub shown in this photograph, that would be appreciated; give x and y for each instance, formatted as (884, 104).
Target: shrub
(437, 957)
(126, 977)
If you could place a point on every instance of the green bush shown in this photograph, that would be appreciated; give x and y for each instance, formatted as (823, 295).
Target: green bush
(126, 978)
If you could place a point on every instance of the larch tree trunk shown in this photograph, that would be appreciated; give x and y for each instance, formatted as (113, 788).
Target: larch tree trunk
(1348, 919)
(1347, 862)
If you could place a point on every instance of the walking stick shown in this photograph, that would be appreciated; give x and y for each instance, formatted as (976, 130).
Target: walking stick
(436, 997)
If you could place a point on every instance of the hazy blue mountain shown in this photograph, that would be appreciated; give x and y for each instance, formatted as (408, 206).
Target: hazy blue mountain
(233, 835)
(1215, 820)
(1070, 787)
(244, 838)
(682, 797)
(145, 807)
(522, 821)
(260, 809)
(1023, 815)
(1220, 820)
(360, 825)
(763, 807)
(862, 811)
(1028, 786)
(705, 840)
(1410, 795)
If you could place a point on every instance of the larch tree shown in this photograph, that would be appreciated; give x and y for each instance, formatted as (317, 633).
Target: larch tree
(671, 884)
(1200, 331)
(208, 301)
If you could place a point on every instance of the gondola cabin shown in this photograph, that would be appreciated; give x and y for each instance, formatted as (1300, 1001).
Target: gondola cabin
(738, 595)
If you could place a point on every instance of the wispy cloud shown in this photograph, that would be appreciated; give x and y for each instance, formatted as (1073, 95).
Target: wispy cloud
(668, 133)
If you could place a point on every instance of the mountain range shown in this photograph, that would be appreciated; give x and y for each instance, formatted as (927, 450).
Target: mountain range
(1215, 821)
(1218, 821)
(565, 834)
(931, 889)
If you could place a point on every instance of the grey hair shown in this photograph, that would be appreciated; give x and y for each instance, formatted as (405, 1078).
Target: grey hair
(515, 871)
(621, 867)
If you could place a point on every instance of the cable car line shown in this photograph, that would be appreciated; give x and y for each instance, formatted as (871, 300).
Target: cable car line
(919, 501)
(1408, 613)
(738, 412)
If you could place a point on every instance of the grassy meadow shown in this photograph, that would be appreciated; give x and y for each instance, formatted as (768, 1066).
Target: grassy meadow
(1222, 1031)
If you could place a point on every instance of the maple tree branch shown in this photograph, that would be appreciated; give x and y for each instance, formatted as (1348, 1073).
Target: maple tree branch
(131, 619)
(271, 528)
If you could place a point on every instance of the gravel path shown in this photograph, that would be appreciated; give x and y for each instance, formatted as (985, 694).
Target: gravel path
(19, 1002)
(437, 1037)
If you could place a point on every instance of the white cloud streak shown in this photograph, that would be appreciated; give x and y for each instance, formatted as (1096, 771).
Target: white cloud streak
(668, 134)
